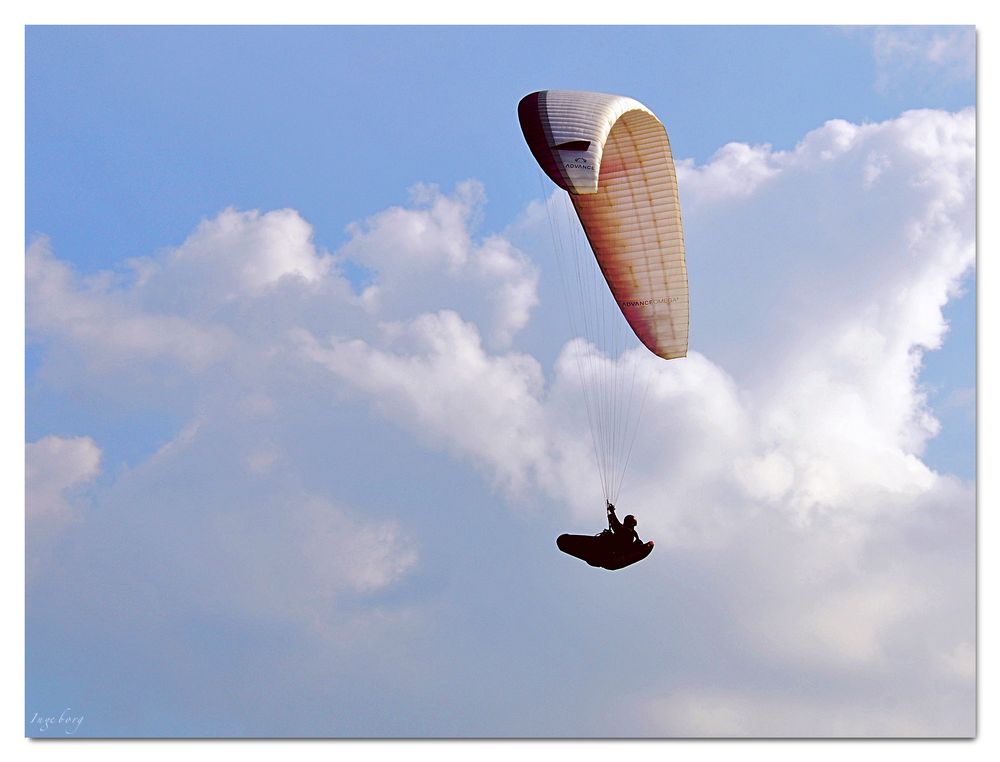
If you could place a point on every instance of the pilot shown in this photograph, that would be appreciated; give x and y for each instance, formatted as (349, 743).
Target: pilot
(624, 536)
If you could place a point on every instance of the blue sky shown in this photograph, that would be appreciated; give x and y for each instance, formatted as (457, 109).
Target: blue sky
(259, 502)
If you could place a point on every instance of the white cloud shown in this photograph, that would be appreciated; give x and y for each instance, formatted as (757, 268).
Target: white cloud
(425, 258)
(104, 324)
(211, 525)
(242, 280)
(205, 329)
(778, 467)
(736, 170)
(767, 477)
(779, 479)
(840, 408)
(445, 388)
(942, 54)
(249, 251)
(364, 556)
(56, 469)
(54, 466)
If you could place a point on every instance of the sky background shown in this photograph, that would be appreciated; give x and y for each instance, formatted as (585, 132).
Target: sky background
(301, 431)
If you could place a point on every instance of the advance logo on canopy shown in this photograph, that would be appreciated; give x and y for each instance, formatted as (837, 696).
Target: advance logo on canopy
(578, 163)
(647, 302)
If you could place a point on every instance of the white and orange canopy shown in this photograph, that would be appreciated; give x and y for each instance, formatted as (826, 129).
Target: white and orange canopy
(612, 155)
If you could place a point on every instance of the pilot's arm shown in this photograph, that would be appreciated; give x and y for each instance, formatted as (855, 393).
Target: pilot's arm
(613, 521)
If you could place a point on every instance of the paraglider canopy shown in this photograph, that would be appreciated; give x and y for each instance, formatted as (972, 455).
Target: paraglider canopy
(612, 155)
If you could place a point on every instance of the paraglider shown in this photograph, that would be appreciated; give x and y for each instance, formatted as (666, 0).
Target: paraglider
(616, 547)
(612, 157)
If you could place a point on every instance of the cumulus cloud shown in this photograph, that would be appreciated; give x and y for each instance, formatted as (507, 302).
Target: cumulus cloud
(778, 467)
(736, 170)
(442, 379)
(104, 323)
(236, 255)
(237, 506)
(841, 404)
(427, 259)
(212, 527)
(805, 456)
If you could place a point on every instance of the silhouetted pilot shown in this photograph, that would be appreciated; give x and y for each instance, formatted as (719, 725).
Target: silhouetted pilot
(624, 537)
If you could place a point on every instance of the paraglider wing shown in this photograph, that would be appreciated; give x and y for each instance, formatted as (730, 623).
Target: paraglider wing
(613, 157)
